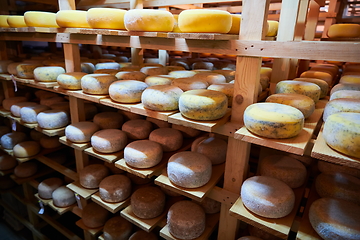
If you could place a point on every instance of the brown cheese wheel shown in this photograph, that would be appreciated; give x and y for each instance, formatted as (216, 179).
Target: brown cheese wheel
(26, 149)
(8, 102)
(213, 148)
(142, 235)
(91, 175)
(170, 139)
(25, 169)
(81, 131)
(109, 140)
(143, 154)
(106, 120)
(117, 228)
(137, 129)
(148, 202)
(50, 142)
(115, 188)
(48, 186)
(9, 140)
(94, 216)
(7, 162)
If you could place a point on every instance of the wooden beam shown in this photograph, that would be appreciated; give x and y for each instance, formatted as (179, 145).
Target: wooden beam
(66, 5)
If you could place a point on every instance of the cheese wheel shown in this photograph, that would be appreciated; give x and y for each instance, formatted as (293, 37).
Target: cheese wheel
(148, 202)
(107, 71)
(137, 129)
(214, 148)
(63, 197)
(143, 154)
(181, 74)
(286, 169)
(305, 88)
(170, 139)
(175, 68)
(127, 91)
(29, 114)
(341, 105)
(345, 86)
(41, 94)
(94, 215)
(157, 123)
(205, 20)
(181, 63)
(317, 74)
(48, 186)
(210, 206)
(80, 132)
(115, 188)
(3, 21)
(301, 102)
(203, 104)
(11, 68)
(335, 218)
(16, 21)
(273, 120)
(97, 83)
(40, 19)
(15, 108)
(117, 228)
(8, 102)
(158, 80)
(72, 19)
(50, 142)
(4, 63)
(4, 130)
(141, 234)
(189, 83)
(201, 66)
(235, 24)
(48, 73)
(189, 169)
(228, 74)
(226, 88)
(267, 197)
(26, 149)
(26, 169)
(61, 106)
(108, 18)
(91, 175)
(153, 70)
(35, 135)
(130, 68)
(321, 83)
(344, 30)
(186, 220)
(187, 132)
(210, 78)
(87, 67)
(161, 97)
(106, 120)
(26, 70)
(350, 79)
(148, 20)
(52, 119)
(90, 110)
(133, 75)
(273, 27)
(9, 140)
(107, 65)
(328, 167)
(329, 68)
(7, 162)
(342, 133)
(109, 140)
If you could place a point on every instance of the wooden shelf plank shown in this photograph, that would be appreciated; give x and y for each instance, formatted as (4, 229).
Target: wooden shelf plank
(51, 132)
(22, 80)
(140, 109)
(60, 210)
(107, 157)
(4, 112)
(45, 201)
(78, 146)
(279, 227)
(207, 126)
(295, 145)
(83, 192)
(200, 36)
(111, 207)
(4, 76)
(145, 224)
(193, 193)
(89, 97)
(121, 106)
(92, 231)
(18, 120)
(323, 152)
(211, 223)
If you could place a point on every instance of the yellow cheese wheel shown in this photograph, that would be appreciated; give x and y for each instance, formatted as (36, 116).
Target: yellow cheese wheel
(345, 86)
(317, 74)
(16, 21)
(48, 73)
(344, 30)
(107, 71)
(226, 88)
(205, 20)
(189, 83)
(158, 80)
(108, 18)
(321, 83)
(72, 19)
(345, 94)
(305, 88)
(127, 91)
(266, 71)
(235, 24)
(326, 67)
(71, 80)
(26, 70)
(161, 97)
(97, 83)
(3, 21)
(272, 28)
(40, 19)
(149, 20)
(350, 79)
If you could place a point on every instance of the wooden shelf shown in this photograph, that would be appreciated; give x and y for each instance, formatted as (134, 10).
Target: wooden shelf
(36, 83)
(323, 152)
(296, 145)
(83, 192)
(101, 237)
(89, 97)
(92, 231)
(111, 207)
(43, 152)
(140, 109)
(194, 193)
(4, 76)
(211, 222)
(44, 201)
(18, 120)
(207, 126)
(107, 157)
(78, 146)
(4, 112)
(60, 210)
(122, 106)
(145, 224)
(279, 227)
(51, 132)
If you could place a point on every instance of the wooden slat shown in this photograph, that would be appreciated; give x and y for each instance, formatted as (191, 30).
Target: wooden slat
(4, 112)
(51, 132)
(78, 146)
(140, 109)
(83, 192)
(61, 210)
(43, 152)
(107, 157)
(89, 97)
(111, 207)
(121, 106)
(44, 201)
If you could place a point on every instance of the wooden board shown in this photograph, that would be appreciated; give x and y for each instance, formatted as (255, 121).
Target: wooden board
(121, 106)
(145, 224)
(207, 126)
(111, 207)
(92, 231)
(4, 112)
(279, 227)
(18, 120)
(78, 146)
(89, 97)
(22, 80)
(140, 109)
(83, 192)
(323, 152)
(60, 210)
(51, 132)
(296, 145)
(194, 193)
(211, 223)
(45, 201)
(4, 76)
(200, 36)
(8, 151)
(44, 84)
(107, 157)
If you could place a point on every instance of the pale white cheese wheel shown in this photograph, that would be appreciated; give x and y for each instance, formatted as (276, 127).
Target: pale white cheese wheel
(9, 140)
(133, 75)
(170, 139)
(26, 149)
(181, 74)
(52, 119)
(8, 102)
(50, 142)
(115, 188)
(143, 154)
(286, 169)
(91, 175)
(189, 169)
(153, 70)
(324, 86)
(63, 197)
(158, 80)
(48, 73)
(341, 105)
(187, 132)
(94, 215)
(97, 83)
(81, 131)
(189, 83)
(4, 130)
(345, 86)
(137, 129)
(214, 148)
(26, 169)
(141, 235)
(117, 228)
(305, 88)
(49, 101)
(108, 140)
(48, 186)
(29, 114)
(107, 65)
(353, 94)
(127, 91)
(7, 162)
(161, 97)
(71, 80)
(106, 120)
(15, 108)
(328, 167)
(87, 67)
(186, 220)
(335, 219)
(148, 202)
(267, 197)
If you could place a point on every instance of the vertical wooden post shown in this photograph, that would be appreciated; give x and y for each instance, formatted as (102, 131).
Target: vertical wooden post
(163, 57)
(136, 53)
(334, 7)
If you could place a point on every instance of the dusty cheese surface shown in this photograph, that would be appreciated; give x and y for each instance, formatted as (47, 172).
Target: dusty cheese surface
(108, 18)
(97, 83)
(109, 140)
(127, 91)
(143, 154)
(161, 97)
(63, 197)
(148, 202)
(341, 105)
(48, 186)
(115, 188)
(71, 81)
(80, 132)
(149, 20)
(305, 88)
(26, 149)
(324, 86)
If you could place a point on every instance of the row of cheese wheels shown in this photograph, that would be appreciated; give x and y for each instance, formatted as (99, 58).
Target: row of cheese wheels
(148, 20)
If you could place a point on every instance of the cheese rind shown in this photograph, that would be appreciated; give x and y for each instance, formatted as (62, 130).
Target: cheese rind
(137, 128)
(91, 175)
(72, 19)
(8, 102)
(115, 188)
(235, 24)
(344, 30)
(16, 21)
(9, 140)
(3, 21)
(15, 108)
(117, 228)
(148, 20)
(71, 80)
(26, 149)
(127, 91)
(148, 202)
(345, 86)
(214, 148)
(48, 186)
(170, 139)
(108, 18)
(350, 79)
(319, 75)
(161, 97)
(40, 19)
(94, 215)
(133, 75)
(181, 74)
(341, 105)
(108, 140)
(48, 73)
(63, 197)
(97, 83)
(321, 83)
(226, 88)
(106, 120)
(189, 83)
(353, 94)
(26, 70)
(154, 70)
(143, 154)
(158, 80)
(29, 114)
(305, 88)
(80, 132)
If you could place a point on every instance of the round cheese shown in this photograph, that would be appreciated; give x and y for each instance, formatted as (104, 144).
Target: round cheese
(153, 70)
(175, 68)
(109, 140)
(141, 235)
(71, 81)
(26, 169)
(50, 101)
(97, 83)
(143, 154)
(235, 24)
(321, 83)
(72, 19)
(35, 135)
(157, 123)
(133, 75)
(91, 175)
(272, 28)
(210, 206)
(137, 129)
(80, 132)
(181, 74)
(189, 169)
(50, 142)
(319, 75)
(158, 80)
(26, 70)
(273, 120)
(3, 21)
(267, 197)
(48, 186)
(305, 88)
(181, 63)
(327, 167)
(341, 105)
(15, 108)
(63, 197)
(4, 63)
(40, 19)
(186, 84)
(9, 140)
(87, 67)
(8, 102)
(186, 220)
(127, 91)
(117, 228)
(226, 88)
(107, 65)
(107, 71)
(7, 162)
(4, 130)
(344, 30)
(149, 20)
(106, 18)
(148, 202)
(202, 67)
(161, 97)
(94, 215)
(115, 188)
(345, 86)
(48, 73)
(52, 119)
(16, 21)
(106, 120)
(210, 78)
(187, 132)
(170, 139)
(90, 110)
(214, 148)
(205, 20)
(350, 79)
(330, 68)
(26, 149)
(29, 114)
(11, 68)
